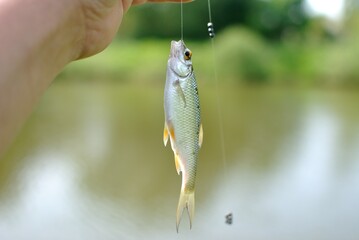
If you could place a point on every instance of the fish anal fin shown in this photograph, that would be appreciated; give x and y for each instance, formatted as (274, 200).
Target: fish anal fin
(177, 162)
(180, 91)
(200, 136)
(186, 200)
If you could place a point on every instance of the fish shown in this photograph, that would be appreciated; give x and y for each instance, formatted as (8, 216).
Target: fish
(183, 123)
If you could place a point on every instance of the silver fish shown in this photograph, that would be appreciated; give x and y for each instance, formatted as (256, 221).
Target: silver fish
(183, 122)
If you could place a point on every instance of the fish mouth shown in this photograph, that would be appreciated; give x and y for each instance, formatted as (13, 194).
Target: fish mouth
(175, 46)
(176, 43)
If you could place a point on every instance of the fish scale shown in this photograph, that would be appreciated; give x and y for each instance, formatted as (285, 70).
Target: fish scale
(190, 131)
(183, 122)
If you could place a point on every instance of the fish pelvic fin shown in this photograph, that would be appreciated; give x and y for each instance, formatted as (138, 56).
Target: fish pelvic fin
(186, 200)
(165, 135)
(168, 133)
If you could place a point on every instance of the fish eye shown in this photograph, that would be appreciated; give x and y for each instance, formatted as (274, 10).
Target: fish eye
(187, 54)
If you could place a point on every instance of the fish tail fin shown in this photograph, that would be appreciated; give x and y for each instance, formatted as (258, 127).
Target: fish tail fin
(186, 200)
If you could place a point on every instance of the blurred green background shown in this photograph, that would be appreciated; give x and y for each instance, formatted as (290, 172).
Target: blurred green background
(275, 42)
(90, 161)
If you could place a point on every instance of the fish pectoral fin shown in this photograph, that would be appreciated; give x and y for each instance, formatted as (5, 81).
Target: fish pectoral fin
(178, 165)
(165, 135)
(200, 137)
(180, 91)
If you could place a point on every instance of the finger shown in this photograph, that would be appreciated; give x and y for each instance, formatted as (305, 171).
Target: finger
(159, 1)
(136, 2)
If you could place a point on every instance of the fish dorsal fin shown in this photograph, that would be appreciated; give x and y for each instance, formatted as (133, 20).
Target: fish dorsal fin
(200, 137)
(180, 91)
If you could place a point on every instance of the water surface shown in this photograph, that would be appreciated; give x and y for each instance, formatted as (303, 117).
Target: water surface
(90, 164)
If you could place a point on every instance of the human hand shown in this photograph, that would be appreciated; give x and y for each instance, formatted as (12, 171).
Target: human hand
(38, 39)
(102, 19)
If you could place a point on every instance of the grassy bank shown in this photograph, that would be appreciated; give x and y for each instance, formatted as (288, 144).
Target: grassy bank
(240, 57)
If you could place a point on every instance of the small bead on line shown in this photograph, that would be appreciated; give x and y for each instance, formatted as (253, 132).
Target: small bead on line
(210, 30)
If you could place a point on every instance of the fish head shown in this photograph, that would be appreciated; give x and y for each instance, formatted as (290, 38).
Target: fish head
(180, 59)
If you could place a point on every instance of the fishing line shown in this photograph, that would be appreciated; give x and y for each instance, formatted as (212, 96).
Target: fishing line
(182, 20)
(210, 28)
(209, 11)
(219, 109)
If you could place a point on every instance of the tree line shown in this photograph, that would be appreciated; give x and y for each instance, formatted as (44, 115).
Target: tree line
(268, 18)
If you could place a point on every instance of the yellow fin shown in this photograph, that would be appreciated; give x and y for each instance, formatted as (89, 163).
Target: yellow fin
(200, 139)
(165, 135)
(186, 200)
(171, 131)
(178, 166)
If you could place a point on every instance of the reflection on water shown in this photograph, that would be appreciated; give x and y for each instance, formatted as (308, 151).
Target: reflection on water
(90, 164)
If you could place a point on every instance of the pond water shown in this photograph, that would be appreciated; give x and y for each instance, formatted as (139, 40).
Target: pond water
(90, 164)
